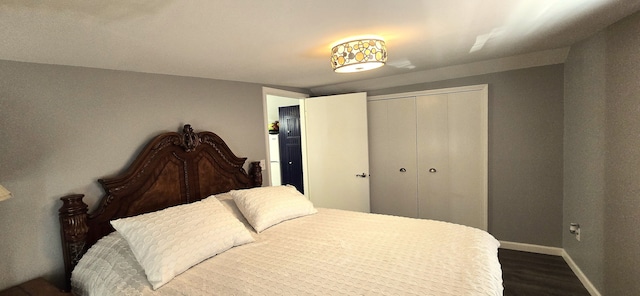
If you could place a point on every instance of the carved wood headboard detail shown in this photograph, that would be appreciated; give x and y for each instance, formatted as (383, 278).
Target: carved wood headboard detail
(172, 169)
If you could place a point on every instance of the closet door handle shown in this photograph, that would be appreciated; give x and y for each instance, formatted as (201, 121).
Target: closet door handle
(432, 170)
(402, 170)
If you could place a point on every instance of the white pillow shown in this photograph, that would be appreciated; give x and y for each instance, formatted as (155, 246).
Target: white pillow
(267, 206)
(168, 242)
(226, 199)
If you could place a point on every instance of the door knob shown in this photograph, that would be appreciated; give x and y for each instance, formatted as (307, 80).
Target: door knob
(432, 170)
(403, 170)
(363, 175)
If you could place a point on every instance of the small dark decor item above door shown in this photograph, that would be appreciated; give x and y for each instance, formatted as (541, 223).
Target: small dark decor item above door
(289, 139)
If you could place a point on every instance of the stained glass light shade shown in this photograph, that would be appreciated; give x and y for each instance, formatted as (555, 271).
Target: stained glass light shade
(358, 55)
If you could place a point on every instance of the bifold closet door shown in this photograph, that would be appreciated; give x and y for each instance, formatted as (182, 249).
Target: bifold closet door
(392, 154)
(451, 152)
(433, 159)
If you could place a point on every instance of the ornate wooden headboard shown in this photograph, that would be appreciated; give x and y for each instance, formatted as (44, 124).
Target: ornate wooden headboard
(172, 169)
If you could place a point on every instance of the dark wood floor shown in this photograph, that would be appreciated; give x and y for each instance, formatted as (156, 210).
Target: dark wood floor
(526, 273)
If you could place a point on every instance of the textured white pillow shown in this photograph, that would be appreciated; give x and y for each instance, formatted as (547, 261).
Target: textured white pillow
(267, 206)
(170, 241)
(226, 199)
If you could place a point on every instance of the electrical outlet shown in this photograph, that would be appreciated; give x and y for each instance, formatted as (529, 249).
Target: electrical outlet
(262, 165)
(574, 228)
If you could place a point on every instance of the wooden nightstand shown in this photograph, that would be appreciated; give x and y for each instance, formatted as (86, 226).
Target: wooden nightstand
(37, 286)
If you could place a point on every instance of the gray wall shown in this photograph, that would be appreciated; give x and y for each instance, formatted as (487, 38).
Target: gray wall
(584, 159)
(602, 157)
(62, 128)
(622, 167)
(525, 151)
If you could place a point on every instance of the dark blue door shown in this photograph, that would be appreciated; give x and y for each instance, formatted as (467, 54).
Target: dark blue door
(290, 147)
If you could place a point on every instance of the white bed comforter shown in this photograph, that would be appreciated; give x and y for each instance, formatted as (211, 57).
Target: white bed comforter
(333, 252)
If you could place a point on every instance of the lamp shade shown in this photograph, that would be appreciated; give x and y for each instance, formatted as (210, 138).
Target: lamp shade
(4, 193)
(358, 55)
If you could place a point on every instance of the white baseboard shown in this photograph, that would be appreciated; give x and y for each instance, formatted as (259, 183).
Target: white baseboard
(583, 278)
(556, 252)
(532, 248)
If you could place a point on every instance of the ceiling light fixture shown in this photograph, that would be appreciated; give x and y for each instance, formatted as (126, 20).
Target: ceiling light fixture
(358, 55)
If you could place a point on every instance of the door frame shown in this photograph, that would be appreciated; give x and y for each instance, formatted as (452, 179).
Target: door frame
(358, 200)
(266, 92)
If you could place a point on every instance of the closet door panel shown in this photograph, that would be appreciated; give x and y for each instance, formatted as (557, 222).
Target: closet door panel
(433, 161)
(467, 158)
(392, 150)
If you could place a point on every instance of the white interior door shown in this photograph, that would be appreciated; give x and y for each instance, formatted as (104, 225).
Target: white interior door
(452, 157)
(434, 200)
(392, 157)
(467, 158)
(337, 151)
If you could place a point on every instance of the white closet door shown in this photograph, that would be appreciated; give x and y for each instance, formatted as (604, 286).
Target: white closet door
(452, 153)
(392, 154)
(433, 161)
(467, 154)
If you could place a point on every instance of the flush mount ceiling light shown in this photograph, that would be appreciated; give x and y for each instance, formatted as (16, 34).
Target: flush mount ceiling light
(358, 55)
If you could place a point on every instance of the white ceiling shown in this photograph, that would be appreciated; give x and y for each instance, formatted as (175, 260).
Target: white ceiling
(287, 42)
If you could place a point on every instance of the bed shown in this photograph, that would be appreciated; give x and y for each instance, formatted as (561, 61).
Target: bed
(191, 220)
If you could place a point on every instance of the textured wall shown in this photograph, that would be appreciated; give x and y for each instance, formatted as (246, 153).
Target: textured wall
(62, 128)
(622, 168)
(525, 151)
(602, 156)
(584, 157)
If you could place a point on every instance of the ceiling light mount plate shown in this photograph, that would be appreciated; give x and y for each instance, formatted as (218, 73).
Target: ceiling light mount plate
(358, 54)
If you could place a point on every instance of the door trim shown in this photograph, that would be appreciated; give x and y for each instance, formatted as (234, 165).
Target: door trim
(268, 91)
(477, 87)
